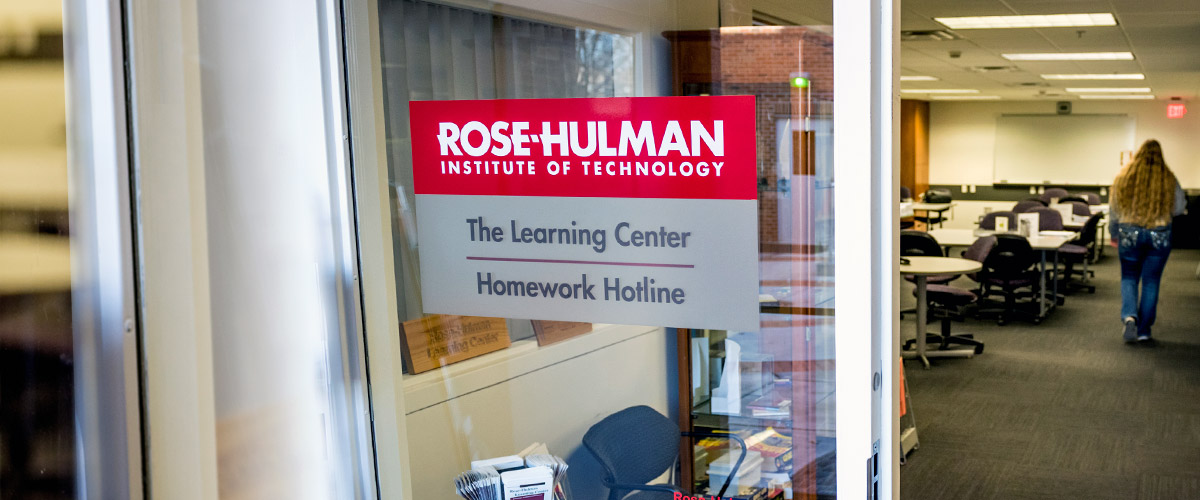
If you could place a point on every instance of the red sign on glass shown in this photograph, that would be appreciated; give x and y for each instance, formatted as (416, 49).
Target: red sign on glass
(637, 147)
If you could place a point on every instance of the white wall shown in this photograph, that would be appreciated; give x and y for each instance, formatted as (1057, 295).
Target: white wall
(962, 136)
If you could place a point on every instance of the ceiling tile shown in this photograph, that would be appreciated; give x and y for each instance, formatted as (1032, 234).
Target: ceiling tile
(1033, 7)
(1157, 19)
(1164, 36)
(1156, 5)
(1095, 39)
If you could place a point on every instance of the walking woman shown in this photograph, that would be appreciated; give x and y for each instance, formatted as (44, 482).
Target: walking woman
(1144, 198)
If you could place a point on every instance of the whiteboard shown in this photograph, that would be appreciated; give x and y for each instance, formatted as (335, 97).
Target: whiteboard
(1061, 149)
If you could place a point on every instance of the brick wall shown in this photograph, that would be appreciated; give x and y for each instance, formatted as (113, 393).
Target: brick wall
(761, 61)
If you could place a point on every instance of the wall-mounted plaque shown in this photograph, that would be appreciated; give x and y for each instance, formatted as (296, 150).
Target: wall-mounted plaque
(443, 339)
(549, 332)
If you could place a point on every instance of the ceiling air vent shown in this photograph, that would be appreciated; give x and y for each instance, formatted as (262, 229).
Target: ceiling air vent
(993, 69)
(927, 36)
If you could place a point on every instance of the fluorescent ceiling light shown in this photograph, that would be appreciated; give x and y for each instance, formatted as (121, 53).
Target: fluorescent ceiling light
(1130, 96)
(964, 97)
(918, 78)
(1046, 21)
(1069, 56)
(1096, 90)
(1096, 76)
(940, 91)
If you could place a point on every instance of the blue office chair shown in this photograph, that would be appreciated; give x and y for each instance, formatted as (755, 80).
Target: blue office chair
(947, 304)
(1080, 252)
(639, 444)
(923, 244)
(1052, 193)
(1080, 208)
(1049, 219)
(1009, 268)
(978, 252)
(989, 220)
(1027, 205)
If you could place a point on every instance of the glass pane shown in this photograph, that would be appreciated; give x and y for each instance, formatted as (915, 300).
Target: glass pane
(560, 387)
(37, 438)
(786, 369)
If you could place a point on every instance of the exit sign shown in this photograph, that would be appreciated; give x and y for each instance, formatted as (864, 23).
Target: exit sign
(1176, 110)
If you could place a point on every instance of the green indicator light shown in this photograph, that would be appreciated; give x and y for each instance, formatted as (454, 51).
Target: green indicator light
(800, 82)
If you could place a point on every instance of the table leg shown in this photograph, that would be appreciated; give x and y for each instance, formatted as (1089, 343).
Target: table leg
(1042, 286)
(1056, 278)
(922, 310)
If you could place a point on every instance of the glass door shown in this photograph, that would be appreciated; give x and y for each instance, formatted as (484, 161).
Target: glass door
(790, 405)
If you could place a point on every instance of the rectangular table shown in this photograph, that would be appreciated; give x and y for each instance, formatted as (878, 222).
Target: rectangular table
(1043, 242)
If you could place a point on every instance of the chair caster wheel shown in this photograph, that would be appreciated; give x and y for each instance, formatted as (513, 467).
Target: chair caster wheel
(978, 349)
(1001, 322)
(1037, 321)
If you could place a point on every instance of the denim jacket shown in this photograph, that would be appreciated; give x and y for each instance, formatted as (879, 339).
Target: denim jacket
(1114, 212)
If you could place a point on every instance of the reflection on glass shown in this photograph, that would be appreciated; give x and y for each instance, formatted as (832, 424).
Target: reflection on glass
(592, 397)
(438, 52)
(37, 439)
(773, 388)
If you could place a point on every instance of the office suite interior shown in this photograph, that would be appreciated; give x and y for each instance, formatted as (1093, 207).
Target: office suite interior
(1059, 407)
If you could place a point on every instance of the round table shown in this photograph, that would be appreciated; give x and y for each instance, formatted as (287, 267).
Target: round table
(922, 268)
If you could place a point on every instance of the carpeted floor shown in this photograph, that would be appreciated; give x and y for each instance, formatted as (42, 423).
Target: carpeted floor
(1065, 410)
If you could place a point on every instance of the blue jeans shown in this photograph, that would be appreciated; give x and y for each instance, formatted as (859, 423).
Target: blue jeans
(1143, 254)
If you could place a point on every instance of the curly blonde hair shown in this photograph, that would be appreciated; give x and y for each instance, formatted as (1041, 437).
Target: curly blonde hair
(1144, 191)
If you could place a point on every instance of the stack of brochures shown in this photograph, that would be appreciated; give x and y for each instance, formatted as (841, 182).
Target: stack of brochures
(479, 484)
(534, 477)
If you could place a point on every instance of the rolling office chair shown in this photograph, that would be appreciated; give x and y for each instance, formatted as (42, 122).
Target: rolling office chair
(639, 444)
(1009, 268)
(1073, 197)
(1080, 251)
(920, 243)
(947, 304)
(923, 244)
(1049, 219)
(1051, 193)
(1027, 205)
(1037, 199)
(1080, 208)
(989, 220)
(1090, 198)
(978, 252)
